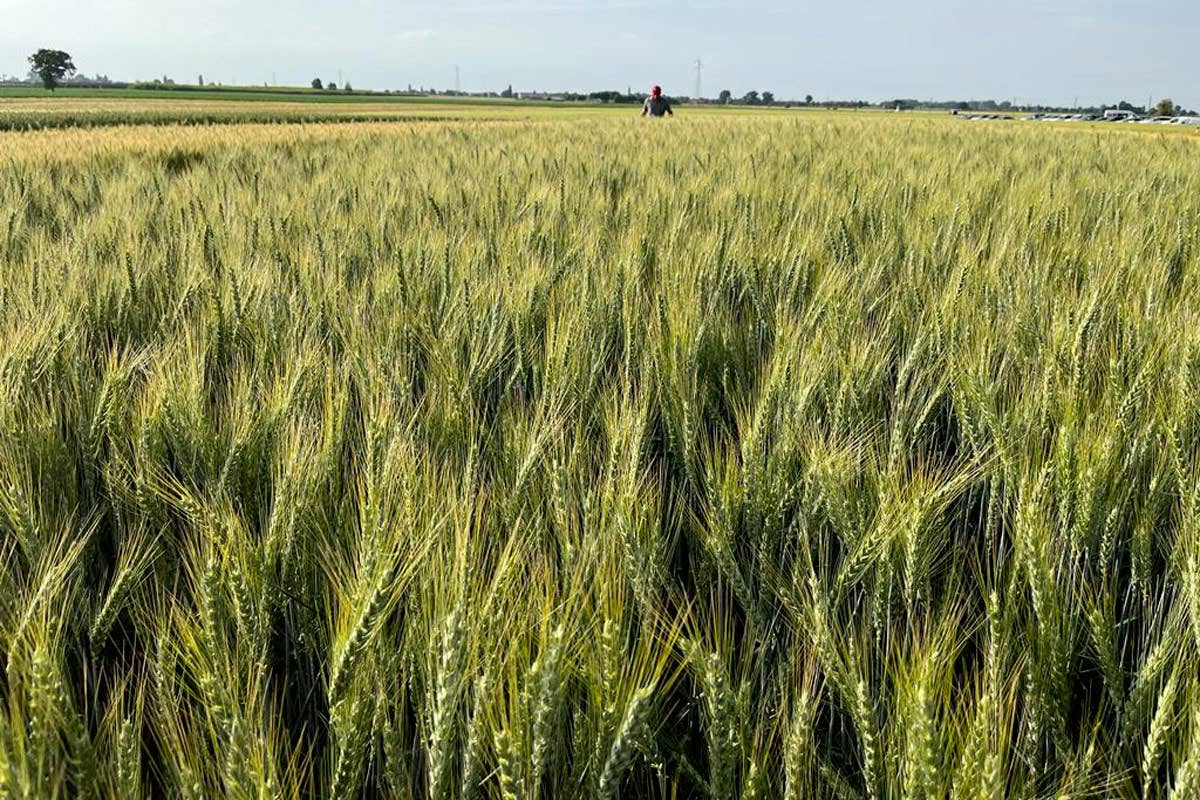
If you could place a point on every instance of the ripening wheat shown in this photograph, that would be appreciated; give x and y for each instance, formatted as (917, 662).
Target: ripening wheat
(733, 457)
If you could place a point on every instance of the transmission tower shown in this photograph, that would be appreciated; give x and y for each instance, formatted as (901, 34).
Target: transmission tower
(699, 74)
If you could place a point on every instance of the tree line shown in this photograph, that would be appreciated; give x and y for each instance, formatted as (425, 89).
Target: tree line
(52, 67)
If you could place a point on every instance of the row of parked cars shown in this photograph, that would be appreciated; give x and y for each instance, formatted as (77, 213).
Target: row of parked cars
(1108, 116)
(1114, 117)
(985, 116)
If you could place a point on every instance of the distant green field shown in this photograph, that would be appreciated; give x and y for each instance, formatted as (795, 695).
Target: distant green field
(28, 109)
(37, 109)
(298, 94)
(291, 94)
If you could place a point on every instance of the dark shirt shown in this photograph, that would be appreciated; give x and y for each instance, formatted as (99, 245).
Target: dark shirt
(657, 107)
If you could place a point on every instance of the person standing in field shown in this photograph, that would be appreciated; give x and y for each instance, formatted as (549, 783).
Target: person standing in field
(656, 105)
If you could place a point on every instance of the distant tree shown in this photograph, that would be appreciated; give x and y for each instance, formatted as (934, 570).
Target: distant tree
(751, 98)
(508, 93)
(331, 86)
(768, 98)
(808, 99)
(1165, 107)
(346, 87)
(726, 97)
(316, 83)
(201, 80)
(51, 66)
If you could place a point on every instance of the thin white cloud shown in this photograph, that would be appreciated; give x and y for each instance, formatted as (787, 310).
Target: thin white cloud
(414, 36)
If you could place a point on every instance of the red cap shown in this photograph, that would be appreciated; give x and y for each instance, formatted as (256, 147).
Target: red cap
(656, 91)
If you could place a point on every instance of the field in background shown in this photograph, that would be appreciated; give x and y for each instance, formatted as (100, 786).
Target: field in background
(35, 114)
(37, 110)
(738, 456)
(31, 110)
(233, 94)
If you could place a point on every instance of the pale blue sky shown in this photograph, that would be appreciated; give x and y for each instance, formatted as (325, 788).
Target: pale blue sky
(1046, 51)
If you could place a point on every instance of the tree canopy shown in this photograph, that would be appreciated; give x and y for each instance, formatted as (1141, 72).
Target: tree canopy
(52, 66)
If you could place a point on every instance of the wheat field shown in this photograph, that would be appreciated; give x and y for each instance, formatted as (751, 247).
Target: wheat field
(815, 455)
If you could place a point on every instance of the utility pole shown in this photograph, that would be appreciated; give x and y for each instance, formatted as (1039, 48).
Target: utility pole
(699, 71)
(457, 85)
(339, 76)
